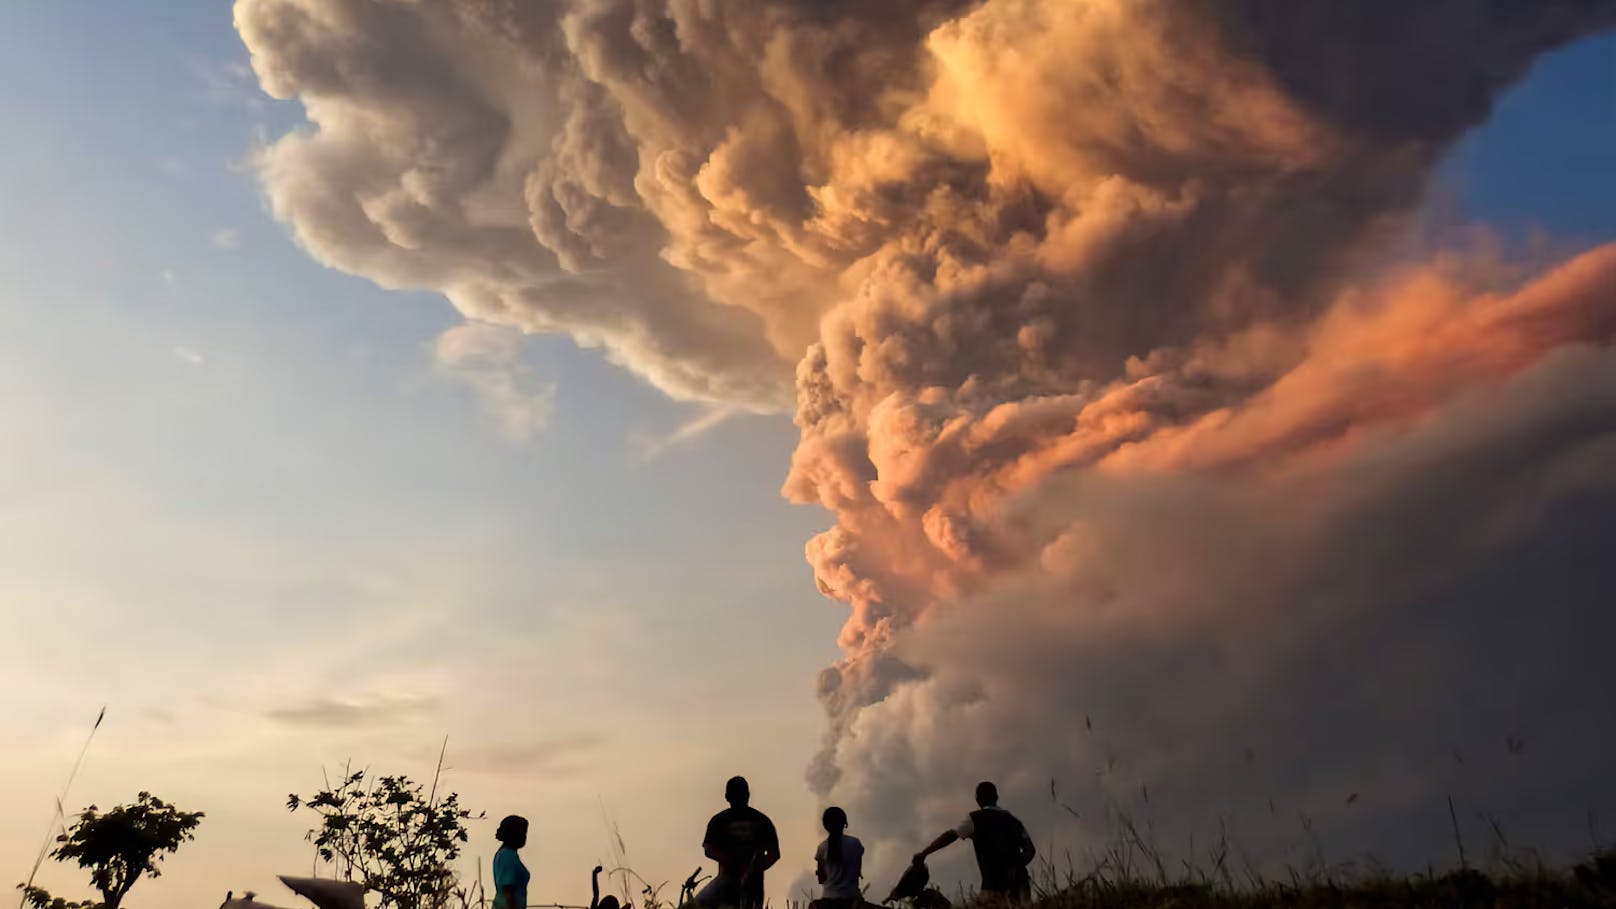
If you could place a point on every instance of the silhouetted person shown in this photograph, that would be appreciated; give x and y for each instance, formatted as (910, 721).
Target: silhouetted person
(595, 900)
(741, 839)
(510, 875)
(1003, 848)
(838, 863)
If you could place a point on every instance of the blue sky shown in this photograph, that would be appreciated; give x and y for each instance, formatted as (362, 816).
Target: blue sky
(236, 488)
(171, 387)
(1544, 160)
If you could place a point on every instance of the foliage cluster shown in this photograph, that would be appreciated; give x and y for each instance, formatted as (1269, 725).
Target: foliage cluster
(118, 848)
(390, 835)
(40, 898)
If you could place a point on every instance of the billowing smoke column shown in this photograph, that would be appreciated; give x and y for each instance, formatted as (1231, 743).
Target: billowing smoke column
(1160, 457)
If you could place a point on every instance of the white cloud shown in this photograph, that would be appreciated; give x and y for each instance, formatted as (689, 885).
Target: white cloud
(226, 238)
(190, 355)
(488, 360)
(227, 83)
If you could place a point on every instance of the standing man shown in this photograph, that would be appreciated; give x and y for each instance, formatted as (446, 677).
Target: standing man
(1003, 848)
(741, 839)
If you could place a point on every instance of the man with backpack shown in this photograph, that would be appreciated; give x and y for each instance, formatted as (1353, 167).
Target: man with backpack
(1003, 848)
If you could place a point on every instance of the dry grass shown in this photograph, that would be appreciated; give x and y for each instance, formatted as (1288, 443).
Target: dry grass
(1590, 884)
(1131, 873)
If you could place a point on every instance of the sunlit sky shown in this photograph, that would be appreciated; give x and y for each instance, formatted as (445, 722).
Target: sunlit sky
(243, 505)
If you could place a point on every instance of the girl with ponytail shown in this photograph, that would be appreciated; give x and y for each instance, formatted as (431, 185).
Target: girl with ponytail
(839, 863)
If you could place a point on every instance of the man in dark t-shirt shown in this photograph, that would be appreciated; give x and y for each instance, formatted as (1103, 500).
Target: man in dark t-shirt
(1003, 848)
(742, 840)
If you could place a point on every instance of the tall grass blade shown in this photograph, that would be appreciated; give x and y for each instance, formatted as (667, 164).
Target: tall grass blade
(60, 815)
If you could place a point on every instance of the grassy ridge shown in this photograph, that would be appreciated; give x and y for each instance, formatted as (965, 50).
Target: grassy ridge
(1588, 885)
(1591, 884)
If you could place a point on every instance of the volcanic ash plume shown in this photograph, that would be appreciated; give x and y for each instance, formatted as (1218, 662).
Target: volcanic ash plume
(1113, 360)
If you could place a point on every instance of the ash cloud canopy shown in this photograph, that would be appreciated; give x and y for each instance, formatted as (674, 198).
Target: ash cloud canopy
(1105, 354)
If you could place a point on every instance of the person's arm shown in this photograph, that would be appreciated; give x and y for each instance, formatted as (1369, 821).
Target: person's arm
(771, 847)
(711, 845)
(819, 863)
(1028, 850)
(594, 888)
(943, 841)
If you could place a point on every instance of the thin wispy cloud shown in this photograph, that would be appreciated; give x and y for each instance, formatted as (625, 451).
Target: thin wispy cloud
(488, 360)
(189, 355)
(647, 448)
(338, 712)
(226, 238)
(552, 757)
(226, 83)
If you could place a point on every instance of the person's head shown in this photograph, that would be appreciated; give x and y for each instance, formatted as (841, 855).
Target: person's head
(736, 792)
(512, 831)
(608, 902)
(987, 794)
(834, 819)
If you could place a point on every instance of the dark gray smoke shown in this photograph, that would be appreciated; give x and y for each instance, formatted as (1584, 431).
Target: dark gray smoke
(1101, 363)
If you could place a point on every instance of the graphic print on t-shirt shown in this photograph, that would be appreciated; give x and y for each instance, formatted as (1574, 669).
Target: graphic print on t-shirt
(740, 835)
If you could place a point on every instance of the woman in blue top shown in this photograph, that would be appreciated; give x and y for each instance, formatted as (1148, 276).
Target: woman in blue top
(510, 875)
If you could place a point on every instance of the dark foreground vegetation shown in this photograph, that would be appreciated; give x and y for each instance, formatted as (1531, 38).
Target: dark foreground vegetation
(1589, 884)
(400, 840)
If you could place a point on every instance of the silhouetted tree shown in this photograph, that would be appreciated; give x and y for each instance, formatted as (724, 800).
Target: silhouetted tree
(125, 843)
(389, 836)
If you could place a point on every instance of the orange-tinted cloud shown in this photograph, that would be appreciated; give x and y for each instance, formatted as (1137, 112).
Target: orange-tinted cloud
(1004, 249)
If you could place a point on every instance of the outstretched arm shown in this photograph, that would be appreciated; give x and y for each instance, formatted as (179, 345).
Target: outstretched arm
(944, 839)
(594, 888)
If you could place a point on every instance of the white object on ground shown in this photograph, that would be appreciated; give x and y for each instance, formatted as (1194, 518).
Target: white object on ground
(326, 893)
